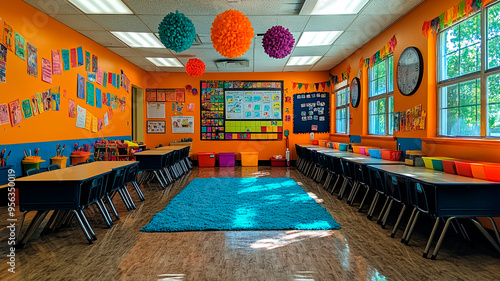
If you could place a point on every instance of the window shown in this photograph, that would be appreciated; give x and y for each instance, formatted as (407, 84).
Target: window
(342, 111)
(463, 81)
(380, 100)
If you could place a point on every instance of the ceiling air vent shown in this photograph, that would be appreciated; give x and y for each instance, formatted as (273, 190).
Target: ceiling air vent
(231, 63)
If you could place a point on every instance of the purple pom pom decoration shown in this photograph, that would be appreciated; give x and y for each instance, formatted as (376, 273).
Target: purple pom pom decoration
(278, 42)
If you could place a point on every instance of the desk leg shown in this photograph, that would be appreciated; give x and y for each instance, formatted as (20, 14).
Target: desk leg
(52, 219)
(112, 206)
(429, 242)
(84, 229)
(138, 190)
(494, 226)
(486, 234)
(441, 238)
(105, 213)
(127, 194)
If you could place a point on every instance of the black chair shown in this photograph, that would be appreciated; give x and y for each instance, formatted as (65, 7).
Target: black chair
(131, 177)
(33, 171)
(397, 191)
(90, 160)
(91, 192)
(53, 167)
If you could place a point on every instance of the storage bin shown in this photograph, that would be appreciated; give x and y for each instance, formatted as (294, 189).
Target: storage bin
(356, 149)
(412, 156)
(4, 174)
(364, 150)
(30, 164)
(322, 142)
(463, 168)
(437, 163)
(226, 159)
(79, 158)
(478, 171)
(59, 160)
(449, 167)
(278, 162)
(343, 146)
(249, 159)
(393, 155)
(492, 172)
(206, 159)
(315, 142)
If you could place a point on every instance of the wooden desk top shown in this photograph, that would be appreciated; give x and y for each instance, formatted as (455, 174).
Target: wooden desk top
(430, 176)
(366, 160)
(76, 173)
(170, 148)
(111, 164)
(153, 152)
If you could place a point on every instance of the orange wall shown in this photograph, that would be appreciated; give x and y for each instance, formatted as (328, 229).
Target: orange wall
(266, 149)
(46, 34)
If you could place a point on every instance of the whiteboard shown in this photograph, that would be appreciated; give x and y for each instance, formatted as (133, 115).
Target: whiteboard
(253, 105)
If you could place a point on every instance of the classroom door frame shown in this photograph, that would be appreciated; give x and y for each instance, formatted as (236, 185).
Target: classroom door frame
(137, 114)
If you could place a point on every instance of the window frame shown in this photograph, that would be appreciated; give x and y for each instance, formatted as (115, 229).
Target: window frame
(345, 106)
(389, 94)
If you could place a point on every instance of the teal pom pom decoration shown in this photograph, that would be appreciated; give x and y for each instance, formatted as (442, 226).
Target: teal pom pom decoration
(177, 32)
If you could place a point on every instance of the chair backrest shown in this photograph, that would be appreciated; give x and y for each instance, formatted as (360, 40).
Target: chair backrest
(131, 174)
(396, 188)
(423, 197)
(90, 160)
(91, 191)
(115, 180)
(377, 181)
(32, 172)
(53, 167)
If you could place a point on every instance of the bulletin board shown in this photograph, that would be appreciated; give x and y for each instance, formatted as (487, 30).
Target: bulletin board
(311, 113)
(241, 110)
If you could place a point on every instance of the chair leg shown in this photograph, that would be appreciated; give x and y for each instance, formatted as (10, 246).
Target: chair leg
(382, 212)
(486, 234)
(82, 225)
(353, 193)
(112, 206)
(131, 201)
(104, 213)
(87, 224)
(441, 238)
(159, 179)
(410, 232)
(408, 225)
(52, 218)
(124, 199)
(364, 199)
(373, 205)
(431, 238)
(386, 214)
(398, 221)
(138, 190)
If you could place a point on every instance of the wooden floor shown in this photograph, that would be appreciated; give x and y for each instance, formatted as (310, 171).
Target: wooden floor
(361, 250)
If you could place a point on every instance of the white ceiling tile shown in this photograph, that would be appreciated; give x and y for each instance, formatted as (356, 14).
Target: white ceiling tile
(329, 23)
(380, 7)
(310, 51)
(298, 68)
(54, 7)
(139, 61)
(130, 23)
(211, 70)
(350, 37)
(172, 69)
(371, 24)
(124, 52)
(344, 50)
(154, 52)
(151, 68)
(294, 23)
(152, 21)
(78, 22)
(268, 68)
(104, 38)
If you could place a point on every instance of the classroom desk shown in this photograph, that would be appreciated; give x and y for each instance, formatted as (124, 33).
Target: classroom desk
(450, 196)
(154, 161)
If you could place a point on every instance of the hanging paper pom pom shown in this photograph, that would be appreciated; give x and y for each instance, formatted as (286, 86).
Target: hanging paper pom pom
(189, 87)
(177, 32)
(278, 42)
(194, 91)
(195, 67)
(231, 34)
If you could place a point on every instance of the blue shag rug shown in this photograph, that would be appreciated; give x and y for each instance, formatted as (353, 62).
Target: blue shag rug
(241, 204)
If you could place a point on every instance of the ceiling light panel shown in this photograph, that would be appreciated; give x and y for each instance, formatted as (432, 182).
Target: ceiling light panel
(318, 38)
(171, 62)
(108, 7)
(332, 7)
(303, 60)
(139, 39)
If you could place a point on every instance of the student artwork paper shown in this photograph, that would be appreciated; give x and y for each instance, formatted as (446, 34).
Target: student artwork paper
(90, 94)
(106, 120)
(190, 107)
(81, 114)
(182, 124)
(91, 76)
(94, 124)
(110, 113)
(39, 100)
(47, 101)
(108, 99)
(56, 62)
(34, 106)
(79, 52)
(98, 98)
(65, 59)
(15, 113)
(7, 36)
(99, 76)
(94, 63)
(32, 60)
(105, 80)
(27, 112)
(99, 124)
(56, 101)
(87, 62)
(88, 121)
(73, 57)
(46, 70)
(3, 63)
(80, 91)
(72, 108)
(4, 114)
(20, 46)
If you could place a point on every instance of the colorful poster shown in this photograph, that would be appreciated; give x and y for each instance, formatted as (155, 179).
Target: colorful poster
(99, 76)
(99, 124)
(56, 101)
(179, 96)
(34, 105)
(105, 80)
(47, 101)
(20, 46)
(117, 82)
(88, 121)
(81, 116)
(190, 107)
(122, 104)
(114, 80)
(4, 114)
(94, 63)
(56, 62)
(3, 62)
(106, 120)
(183, 124)
(108, 99)
(98, 98)
(73, 61)
(15, 113)
(80, 93)
(110, 113)
(87, 61)
(91, 76)
(65, 59)
(27, 112)
(94, 124)
(104, 98)
(46, 70)
(72, 108)
(125, 82)
(79, 52)
(32, 60)
(39, 100)
(90, 94)
(7, 36)
(151, 94)
(110, 78)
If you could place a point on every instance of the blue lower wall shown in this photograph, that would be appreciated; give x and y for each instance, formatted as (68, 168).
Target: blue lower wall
(47, 150)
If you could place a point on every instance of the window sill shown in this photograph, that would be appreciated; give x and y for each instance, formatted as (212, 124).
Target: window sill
(339, 135)
(461, 141)
(380, 138)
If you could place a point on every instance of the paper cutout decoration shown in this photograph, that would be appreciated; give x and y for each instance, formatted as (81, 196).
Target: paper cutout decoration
(15, 113)
(27, 112)
(72, 108)
(80, 92)
(56, 62)
(32, 60)
(106, 120)
(91, 76)
(3, 62)
(65, 59)
(231, 34)
(34, 106)
(88, 121)
(87, 61)
(99, 76)
(94, 63)
(98, 98)
(79, 52)
(56, 98)
(20, 46)
(81, 116)
(39, 100)
(7, 36)
(179, 96)
(90, 94)
(47, 101)
(46, 70)
(4, 114)
(94, 124)
(73, 58)
(190, 107)
(99, 124)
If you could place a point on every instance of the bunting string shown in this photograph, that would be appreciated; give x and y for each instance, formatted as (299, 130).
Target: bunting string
(381, 54)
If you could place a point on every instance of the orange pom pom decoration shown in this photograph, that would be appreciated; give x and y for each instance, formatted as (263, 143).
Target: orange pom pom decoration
(231, 34)
(195, 67)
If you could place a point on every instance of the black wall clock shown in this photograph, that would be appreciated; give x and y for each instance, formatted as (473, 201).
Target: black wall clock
(410, 71)
(355, 91)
